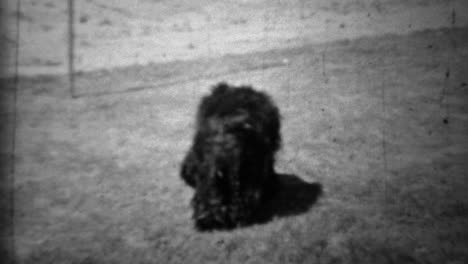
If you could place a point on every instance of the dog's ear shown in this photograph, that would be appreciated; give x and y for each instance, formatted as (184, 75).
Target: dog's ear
(189, 169)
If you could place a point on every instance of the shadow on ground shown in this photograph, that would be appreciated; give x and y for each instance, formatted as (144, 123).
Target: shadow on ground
(294, 196)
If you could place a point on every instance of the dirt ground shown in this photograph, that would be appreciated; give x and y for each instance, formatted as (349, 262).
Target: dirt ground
(376, 114)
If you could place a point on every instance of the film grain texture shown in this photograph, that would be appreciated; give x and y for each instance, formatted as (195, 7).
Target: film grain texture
(98, 109)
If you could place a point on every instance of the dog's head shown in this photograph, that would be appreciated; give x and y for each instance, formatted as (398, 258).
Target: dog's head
(232, 162)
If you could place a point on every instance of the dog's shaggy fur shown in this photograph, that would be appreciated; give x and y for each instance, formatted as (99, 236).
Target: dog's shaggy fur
(230, 164)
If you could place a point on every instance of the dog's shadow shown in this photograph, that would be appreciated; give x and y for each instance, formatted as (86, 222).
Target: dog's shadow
(293, 196)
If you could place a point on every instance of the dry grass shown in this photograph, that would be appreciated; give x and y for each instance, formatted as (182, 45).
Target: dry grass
(97, 177)
(111, 33)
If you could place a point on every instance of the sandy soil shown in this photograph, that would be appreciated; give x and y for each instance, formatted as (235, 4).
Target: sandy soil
(122, 33)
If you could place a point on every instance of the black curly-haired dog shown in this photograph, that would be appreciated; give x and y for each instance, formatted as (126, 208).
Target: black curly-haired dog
(230, 164)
